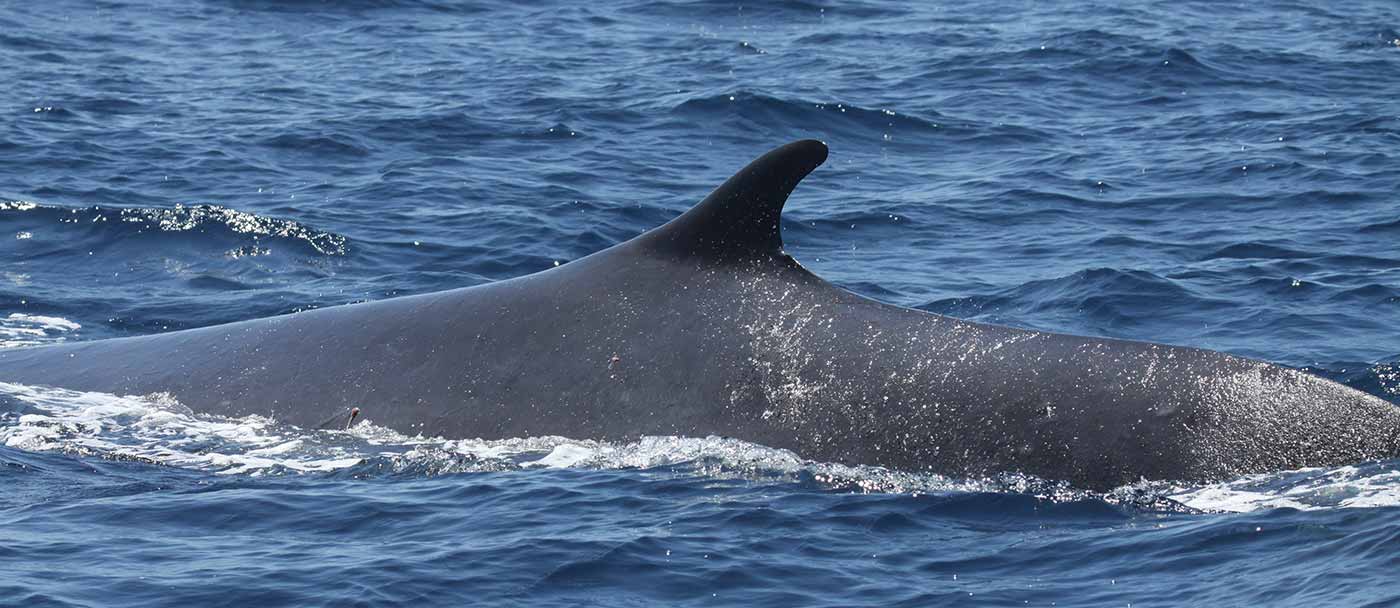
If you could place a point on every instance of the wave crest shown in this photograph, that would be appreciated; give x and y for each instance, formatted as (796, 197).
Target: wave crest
(20, 329)
(213, 219)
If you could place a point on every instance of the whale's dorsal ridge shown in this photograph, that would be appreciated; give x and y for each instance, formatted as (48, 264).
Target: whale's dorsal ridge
(740, 219)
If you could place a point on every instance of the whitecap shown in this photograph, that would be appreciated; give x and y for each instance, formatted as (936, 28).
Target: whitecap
(19, 329)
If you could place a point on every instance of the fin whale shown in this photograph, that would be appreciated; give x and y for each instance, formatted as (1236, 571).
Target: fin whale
(704, 326)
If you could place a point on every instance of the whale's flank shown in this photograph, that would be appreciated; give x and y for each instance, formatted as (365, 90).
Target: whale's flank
(703, 326)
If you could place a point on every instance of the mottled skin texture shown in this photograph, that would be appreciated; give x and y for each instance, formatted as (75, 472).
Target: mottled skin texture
(705, 327)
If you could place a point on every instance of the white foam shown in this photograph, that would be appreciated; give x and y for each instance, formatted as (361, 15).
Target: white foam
(156, 428)
(1366, 485)
(19, 329)
(566, 455)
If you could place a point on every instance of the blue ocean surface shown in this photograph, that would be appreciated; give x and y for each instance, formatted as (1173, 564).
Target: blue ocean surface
(1224, 176)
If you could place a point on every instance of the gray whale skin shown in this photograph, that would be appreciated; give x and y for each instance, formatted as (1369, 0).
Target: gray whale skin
(704, 326)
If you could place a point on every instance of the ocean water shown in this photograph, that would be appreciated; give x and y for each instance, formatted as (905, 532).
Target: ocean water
(1220, 176)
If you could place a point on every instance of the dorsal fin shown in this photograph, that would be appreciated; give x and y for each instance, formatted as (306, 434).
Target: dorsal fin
(740, 219)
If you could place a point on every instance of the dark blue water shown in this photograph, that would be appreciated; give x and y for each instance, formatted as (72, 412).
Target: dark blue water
(1190, 173)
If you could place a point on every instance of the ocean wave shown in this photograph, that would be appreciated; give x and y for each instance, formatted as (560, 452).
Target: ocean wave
(1381, 227)
(119, 224)
(795, 116)
(20, 329)
(1257, 250)
(318, 145)
(1380, 39)
(1092, 42)
(318, 7)
(1096, 301)
(758, 107)
(785, 9)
